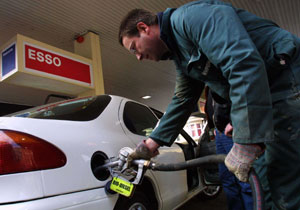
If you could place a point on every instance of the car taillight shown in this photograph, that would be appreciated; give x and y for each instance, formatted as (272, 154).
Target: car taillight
(20, 152)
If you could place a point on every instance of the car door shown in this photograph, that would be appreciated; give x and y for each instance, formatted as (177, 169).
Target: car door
(138, 121)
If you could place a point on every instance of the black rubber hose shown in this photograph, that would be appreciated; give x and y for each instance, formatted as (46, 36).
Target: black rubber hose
(188, 164)
(257, 192)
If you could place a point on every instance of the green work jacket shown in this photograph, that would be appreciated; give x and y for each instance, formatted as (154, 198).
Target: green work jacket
(240, 56)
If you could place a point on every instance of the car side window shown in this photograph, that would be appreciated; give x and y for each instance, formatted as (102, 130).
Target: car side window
(139, 119)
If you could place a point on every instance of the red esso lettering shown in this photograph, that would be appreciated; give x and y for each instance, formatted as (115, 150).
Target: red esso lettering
(41, 57)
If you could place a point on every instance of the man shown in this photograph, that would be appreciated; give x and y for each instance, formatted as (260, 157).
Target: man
(258, 70)
(238, 194)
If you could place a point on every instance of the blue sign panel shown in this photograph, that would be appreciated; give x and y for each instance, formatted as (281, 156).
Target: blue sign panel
(8, 60)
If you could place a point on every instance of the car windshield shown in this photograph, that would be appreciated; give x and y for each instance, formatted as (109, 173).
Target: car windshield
(82, 109)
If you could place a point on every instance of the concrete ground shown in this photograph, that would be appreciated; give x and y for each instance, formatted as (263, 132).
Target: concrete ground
(197, 204)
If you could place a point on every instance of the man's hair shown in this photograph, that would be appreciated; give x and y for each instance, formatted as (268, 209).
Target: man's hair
(129, 23)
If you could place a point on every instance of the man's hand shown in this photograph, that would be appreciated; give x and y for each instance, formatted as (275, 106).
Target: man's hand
(144, 150)
(228, 130)
(240, 158)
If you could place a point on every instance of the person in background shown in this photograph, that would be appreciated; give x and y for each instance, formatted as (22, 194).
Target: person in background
(217, 110)
(258, 71)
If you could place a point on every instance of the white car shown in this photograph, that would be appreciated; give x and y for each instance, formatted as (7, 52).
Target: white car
(48, 156)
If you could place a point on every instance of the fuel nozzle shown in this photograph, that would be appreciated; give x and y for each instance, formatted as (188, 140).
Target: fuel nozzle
(123, 155)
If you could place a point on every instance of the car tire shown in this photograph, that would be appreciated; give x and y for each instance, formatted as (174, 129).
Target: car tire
(210, 192)
(138, 201)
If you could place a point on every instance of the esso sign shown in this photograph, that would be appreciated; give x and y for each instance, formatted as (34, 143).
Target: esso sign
(43, 57)
(52, 64)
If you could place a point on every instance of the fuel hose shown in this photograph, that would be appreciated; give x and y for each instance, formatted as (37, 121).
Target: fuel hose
(257, 192)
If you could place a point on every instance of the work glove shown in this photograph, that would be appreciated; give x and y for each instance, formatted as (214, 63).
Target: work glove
(141, 152)
(240, 158)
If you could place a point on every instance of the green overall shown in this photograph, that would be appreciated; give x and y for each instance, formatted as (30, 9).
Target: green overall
(257, 69)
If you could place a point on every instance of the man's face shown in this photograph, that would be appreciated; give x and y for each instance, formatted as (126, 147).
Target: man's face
(146, 46)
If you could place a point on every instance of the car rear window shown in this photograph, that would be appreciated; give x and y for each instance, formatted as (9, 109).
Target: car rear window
(82, 109)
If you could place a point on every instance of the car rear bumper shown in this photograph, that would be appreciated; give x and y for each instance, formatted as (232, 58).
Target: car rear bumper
(88, 199)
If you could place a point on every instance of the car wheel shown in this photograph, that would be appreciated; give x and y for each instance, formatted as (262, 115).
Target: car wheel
(210, 192)
(138, 201)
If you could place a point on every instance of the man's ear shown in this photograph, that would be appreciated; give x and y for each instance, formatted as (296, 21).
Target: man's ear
(142, 27)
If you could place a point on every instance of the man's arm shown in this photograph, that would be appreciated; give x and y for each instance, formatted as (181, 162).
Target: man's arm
(184, 101)
(187, 93)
